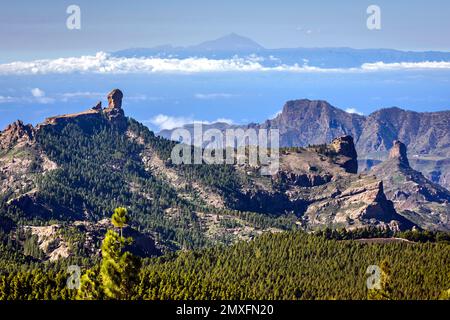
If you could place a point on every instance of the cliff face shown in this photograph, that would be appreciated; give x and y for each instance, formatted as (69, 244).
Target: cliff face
(113, 113)
(398, 153)
(423, 133)
(305, 122)
(79, 166)
(20, 160)
(55, 244)
(415, 197)
(16, 133)
(345, 147)
(319, 184)
(427, 135)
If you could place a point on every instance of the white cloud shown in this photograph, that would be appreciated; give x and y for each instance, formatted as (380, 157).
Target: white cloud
(40, 97)
(142, 97)
(381, 66)
(103, 63)
(276, 114)
(80, 94)
(7, 99)
(306, 30)
(165, 122)
(353, 110)
(37, 93)
(210, 96)
(222, 120)
(67, 96)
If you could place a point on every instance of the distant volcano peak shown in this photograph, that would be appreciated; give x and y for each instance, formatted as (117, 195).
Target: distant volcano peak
(229, 42)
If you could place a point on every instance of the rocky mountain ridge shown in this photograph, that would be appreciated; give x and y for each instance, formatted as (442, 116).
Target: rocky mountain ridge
(79, 167)
(414, 196)
(307, 122)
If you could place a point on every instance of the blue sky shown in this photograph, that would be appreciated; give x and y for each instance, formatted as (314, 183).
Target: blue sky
(78, 71)
(31, 29)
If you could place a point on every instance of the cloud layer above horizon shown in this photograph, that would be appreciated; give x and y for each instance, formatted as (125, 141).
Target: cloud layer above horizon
(166, 122)
(104, 63)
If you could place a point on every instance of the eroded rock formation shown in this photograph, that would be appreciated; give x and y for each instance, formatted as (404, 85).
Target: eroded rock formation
(16, 133)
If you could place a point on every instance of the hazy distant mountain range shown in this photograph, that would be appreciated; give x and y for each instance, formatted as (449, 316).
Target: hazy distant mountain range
(233, 44)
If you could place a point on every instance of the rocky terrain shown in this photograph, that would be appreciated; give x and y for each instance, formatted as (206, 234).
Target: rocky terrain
(414, 196)
(427, 135)
(66, 175)
(59, 241)
(322, 187)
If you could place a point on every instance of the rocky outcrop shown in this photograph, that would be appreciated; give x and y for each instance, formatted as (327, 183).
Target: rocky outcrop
(91, 116)
(55, 245)
(399, 153)
(114, 100)
(319, 184)
(344, 146)
(302, 180)
(98, 106)
(415, 197)
(16, 133)
(96, 115)
(311, 122)
(352, 203)
(114, 111)
(382, 209)
(427, 134)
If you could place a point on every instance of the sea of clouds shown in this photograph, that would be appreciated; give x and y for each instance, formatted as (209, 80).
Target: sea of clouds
(104, 63)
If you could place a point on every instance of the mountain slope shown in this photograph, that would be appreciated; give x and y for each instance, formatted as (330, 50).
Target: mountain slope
(304, 122)
(415, 197)
(423, 133)
(427, 135)
(96, 165)
(231, 42)
(79, 167)
(301, 123)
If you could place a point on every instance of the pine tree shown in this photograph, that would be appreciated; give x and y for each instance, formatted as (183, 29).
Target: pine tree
(91, 287)
(118, 270)
(120, 218)
(118, 273)
(445, 295)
